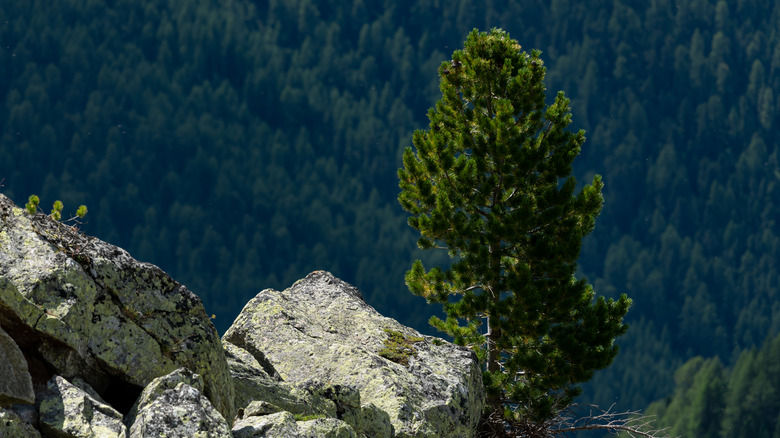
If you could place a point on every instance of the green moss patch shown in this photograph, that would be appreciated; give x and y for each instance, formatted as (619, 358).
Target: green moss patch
(302, 417)
(399, 348)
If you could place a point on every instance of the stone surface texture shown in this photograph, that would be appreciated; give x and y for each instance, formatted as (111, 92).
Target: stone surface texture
(285, 425)
(12, 425)
(280, 424)
(321, 329)
(254, 380)
(76, 410)
(258, 393)
(15, 381)
(326, 428)
(85, 308)
(174, 406)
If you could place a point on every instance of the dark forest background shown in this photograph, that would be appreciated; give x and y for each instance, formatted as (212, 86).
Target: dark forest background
(240, 144)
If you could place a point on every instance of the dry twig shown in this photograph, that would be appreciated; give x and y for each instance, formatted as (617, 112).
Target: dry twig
(575, 418)
(631, 422)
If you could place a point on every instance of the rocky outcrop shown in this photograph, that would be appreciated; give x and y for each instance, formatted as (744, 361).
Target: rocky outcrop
(321, 328)
(80, 307)
(95, 343)
(174, 405)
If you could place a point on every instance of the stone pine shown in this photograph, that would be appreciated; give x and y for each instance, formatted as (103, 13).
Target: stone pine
(490, 181)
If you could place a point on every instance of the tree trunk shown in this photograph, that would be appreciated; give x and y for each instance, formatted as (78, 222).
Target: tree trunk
(493, 329)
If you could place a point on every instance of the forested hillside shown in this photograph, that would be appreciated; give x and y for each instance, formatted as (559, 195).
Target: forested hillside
(712, 401)
(241, 144)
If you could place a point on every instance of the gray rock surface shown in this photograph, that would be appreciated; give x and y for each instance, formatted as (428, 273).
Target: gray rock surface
(174, 406)
(321, 328)
(325, 428)
(15, 380)
(254, 380)
(284, 425)
(280, 424)
(12, 425)
(76, 410)
(87, 309)
(258, 393)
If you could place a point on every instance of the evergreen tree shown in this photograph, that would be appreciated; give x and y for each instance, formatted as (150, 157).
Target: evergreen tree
(490, 182)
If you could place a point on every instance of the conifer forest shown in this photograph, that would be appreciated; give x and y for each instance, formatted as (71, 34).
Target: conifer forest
(241, 144)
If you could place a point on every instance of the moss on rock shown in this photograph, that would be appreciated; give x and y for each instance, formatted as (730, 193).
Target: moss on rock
(326, 331)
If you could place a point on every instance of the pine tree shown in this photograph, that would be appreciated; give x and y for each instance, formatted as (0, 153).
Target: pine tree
(490, 182)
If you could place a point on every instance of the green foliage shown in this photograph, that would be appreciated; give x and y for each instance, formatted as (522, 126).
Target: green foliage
(168, 115)
(399, 348)
(32, 204)
(56, 210)
(490, 182)
(697, 406)
(712, 402)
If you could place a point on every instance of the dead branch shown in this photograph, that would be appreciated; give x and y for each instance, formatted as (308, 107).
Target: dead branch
(575, 418)
(631, 422)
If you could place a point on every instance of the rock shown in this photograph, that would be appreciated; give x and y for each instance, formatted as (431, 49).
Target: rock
(280, 424)
(365, 419)
(105, 345)
(76, 410)
(174, 406)
(28, 413)
(85, 308)
(257, 408)
(322, 329)
(258, 393)
(15, 380)
(284, 425)
(254, 380)
(12, 425)
(325, 428)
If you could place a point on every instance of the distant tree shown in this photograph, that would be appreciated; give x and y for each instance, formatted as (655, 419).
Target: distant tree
(490, 181)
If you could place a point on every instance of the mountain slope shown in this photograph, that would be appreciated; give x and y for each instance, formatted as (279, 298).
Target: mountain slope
(241, 144)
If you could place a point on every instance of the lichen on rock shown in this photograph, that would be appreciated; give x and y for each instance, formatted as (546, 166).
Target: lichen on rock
(174, 405)
(15, 380)
(12, 425)
(322, 327)
(258, 393)
(286, 425)
(89, 310)
(74, 409)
